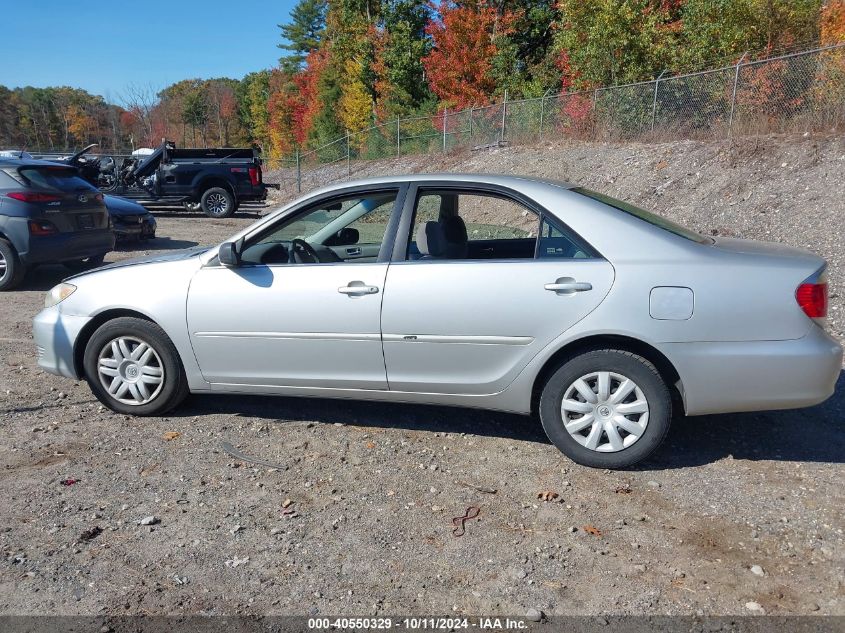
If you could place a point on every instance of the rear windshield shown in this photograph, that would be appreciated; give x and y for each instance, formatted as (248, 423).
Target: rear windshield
(642, 214)
(54, 179)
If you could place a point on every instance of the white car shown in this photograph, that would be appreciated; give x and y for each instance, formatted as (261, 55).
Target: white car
(485, 291)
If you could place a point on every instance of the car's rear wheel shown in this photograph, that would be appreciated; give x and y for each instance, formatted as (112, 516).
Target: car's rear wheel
(12, 270)
(606, 408)
(80, 265)
(133, 367)
(218, 202)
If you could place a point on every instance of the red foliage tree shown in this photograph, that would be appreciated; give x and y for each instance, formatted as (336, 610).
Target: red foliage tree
(460, 62)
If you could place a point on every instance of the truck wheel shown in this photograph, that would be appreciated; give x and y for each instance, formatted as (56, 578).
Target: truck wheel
(218, 203)
(80, 265)
(12, 270)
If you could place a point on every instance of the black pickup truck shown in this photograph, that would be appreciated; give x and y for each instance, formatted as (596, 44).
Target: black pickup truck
(215, 180)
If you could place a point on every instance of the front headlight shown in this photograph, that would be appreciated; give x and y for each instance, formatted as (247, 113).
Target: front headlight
(58, 294)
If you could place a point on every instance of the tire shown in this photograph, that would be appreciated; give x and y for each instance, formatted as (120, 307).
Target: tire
(602, 443)
(81, 265)
(141, 397)
(12, 270)
(218, 202)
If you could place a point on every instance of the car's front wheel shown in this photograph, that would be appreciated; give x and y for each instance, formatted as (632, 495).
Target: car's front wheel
(133, 367)
(606, 408)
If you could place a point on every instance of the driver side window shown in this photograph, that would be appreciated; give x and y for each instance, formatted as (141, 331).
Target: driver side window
(347, 230)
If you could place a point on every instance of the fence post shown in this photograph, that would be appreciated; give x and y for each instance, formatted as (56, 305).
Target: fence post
(733, 97)
(654, 102)
(445, 114)
(504, 117)
(398, 137)
(543, 111)
(298, 173)
(348, 156)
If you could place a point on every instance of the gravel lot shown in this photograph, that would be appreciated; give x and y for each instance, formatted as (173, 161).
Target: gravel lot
(737, 514)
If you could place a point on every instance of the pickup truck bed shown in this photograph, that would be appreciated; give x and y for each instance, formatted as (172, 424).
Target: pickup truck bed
(216, 179)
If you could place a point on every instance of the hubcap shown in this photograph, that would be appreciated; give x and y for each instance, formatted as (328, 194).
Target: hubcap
(130, 370)
(2, 266)
(217, 203)
(604, 411)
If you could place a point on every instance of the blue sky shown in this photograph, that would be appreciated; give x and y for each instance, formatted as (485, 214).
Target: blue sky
(105, 45)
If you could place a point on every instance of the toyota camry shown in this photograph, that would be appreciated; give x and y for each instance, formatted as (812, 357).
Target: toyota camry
(498, 292)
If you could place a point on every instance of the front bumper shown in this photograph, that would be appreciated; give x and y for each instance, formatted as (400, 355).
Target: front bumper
(55, 335)
(756, 375)
(145, 228)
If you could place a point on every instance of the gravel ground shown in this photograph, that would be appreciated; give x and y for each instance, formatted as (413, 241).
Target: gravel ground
(737, 514)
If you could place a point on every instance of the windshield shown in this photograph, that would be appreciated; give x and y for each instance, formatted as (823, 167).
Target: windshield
(642, 214)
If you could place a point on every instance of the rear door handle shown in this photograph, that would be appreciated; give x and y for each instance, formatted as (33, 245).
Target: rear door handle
(569, 287)
(357, 288)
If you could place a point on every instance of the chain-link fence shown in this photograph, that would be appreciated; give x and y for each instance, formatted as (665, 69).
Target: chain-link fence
(800, 92)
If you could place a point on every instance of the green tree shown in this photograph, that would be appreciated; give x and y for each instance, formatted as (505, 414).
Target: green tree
(252, 96)
(718, 30)
(195, 109)
(303, 34)
(616, 41)
(525, 60)
(400, 46)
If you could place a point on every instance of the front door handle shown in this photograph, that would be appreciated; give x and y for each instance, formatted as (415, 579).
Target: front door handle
(568, 286)
(357, 288)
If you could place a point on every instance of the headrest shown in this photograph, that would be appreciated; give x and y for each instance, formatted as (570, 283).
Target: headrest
(430, 239)
(454, 230)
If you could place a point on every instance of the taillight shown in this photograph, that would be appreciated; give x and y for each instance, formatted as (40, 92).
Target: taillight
(812, 297)
(32, 196)
(41, 228)
(255, 175)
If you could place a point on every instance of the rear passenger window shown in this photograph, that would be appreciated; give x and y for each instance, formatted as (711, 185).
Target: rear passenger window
(557, 242)
(456, 225)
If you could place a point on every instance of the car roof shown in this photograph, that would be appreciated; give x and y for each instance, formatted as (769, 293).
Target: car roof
(465, 177)
(30, 162)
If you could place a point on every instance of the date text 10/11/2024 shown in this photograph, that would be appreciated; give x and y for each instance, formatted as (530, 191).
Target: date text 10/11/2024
(419, 623)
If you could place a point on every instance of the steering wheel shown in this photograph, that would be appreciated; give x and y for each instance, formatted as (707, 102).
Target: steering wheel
(300, 248)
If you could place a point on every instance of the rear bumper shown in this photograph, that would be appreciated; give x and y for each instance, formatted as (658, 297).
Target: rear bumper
(756, 375)
(55, 336)
(68, 246)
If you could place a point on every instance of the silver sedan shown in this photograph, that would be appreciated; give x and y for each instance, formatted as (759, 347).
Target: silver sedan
(497, 292)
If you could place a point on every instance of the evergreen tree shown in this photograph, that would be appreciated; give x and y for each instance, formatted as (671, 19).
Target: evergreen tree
(304, 33)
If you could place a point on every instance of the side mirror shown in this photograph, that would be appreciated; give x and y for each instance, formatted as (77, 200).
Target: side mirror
(344, 237)
(228, 255)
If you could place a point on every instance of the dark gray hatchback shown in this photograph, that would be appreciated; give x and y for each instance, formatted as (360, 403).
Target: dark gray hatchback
(48, 214)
